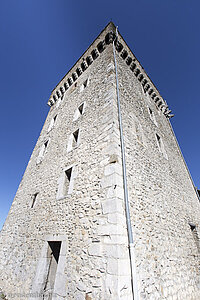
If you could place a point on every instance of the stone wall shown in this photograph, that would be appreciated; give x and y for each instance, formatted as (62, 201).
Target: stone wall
(162, 198)
(90, 218)
(87, 214)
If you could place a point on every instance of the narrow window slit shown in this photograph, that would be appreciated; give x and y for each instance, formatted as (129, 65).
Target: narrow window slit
(75, 138)
(85, 83)
(158, 140)
(192, 226)
(34, 200)
(66, 183)
(68, 174)
(80, 108)
(51, 125)
(194, 231)
(46, 144)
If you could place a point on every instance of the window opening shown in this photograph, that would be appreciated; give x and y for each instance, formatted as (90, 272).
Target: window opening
(34, 200)
(53, 120)
(192, 227)
(152, 116)
(195, 235)
(79, 111)
(66, 183)
(80, 108)
(161, 146)
(53, 254)
(73, 140)
(42, 152)
(68, 173)
(158, 140)
(150, 111)
(85, 83)
(75, 135)
(46, 144)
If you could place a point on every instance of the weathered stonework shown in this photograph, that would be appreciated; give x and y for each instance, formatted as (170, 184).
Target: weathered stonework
(72, 192)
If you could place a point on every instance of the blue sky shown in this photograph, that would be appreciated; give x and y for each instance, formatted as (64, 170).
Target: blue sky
(42, 39)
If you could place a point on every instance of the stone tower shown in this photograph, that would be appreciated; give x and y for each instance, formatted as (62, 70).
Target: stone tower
(106, 208)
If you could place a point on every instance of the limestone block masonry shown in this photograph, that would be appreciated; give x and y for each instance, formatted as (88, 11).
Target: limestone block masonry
(65, 236)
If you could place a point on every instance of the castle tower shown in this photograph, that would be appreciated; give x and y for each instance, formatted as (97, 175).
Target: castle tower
(68, 234)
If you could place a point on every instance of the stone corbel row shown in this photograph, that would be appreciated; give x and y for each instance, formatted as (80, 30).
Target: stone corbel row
(147, 86)
(86, 62)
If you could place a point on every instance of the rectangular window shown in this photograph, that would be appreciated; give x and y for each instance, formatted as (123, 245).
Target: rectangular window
(53, 254)
(42, 151)
(80, 108)
(152, 116)
(161, 146)
(75, 138)
(51, 125)
(159, 141)
(34, 200)
(79, 111)
(85, 83)
(66, 183)
(195, 235)
(50, 279)
(68, 173)
(45, 145)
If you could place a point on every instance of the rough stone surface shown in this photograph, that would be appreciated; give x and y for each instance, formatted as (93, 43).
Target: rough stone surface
(88, 214)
